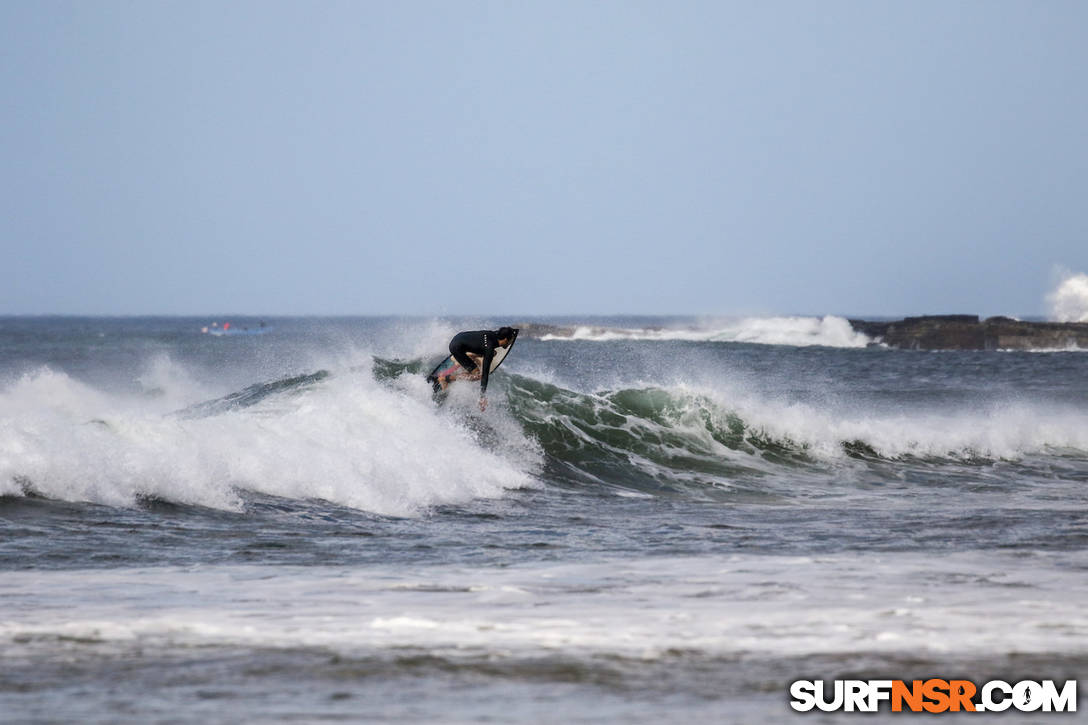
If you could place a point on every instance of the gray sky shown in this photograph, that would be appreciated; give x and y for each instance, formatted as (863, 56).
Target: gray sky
(443, 158)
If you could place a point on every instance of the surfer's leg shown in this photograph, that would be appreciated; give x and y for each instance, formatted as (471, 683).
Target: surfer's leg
(463, 359)
(474, 372)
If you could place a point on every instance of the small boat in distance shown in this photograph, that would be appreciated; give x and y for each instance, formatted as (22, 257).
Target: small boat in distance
(229, 329)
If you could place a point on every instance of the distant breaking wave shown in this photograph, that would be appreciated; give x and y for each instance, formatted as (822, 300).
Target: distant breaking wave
(1069, 301)
(829, 331)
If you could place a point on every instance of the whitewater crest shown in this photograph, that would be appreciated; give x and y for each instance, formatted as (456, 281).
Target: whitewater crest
(344, 438)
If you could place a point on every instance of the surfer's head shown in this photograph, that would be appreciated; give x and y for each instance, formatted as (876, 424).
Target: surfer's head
(505, 335)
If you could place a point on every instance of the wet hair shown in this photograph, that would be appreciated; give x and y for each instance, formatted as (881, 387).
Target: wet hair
(505, 333)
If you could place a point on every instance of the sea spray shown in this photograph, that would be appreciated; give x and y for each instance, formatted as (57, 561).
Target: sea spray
(1069, 300)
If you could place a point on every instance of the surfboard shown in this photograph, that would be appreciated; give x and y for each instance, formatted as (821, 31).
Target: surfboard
(450, 370)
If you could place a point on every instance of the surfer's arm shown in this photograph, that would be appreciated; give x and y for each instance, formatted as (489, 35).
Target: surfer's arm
(485, 369)
(485, 364)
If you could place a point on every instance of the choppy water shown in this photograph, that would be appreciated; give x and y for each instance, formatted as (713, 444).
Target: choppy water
(654, 519)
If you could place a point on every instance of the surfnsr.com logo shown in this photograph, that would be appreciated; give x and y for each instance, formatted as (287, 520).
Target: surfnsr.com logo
(933, 695)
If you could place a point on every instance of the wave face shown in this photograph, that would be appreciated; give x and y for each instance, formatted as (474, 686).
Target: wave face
(679, 439)
(826, 331)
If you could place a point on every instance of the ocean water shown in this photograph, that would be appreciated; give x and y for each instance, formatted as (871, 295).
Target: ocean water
(654, 520)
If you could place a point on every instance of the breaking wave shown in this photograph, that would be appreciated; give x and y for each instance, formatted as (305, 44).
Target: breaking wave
(372, 438)
(826, 331)
(676, 438)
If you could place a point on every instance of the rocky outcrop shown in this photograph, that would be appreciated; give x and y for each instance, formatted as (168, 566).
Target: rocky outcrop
(968, 332)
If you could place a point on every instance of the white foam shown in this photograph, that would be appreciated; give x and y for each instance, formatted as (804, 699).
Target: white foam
(967, 603)
(349, 440)
(829, 331)
(1069, 300)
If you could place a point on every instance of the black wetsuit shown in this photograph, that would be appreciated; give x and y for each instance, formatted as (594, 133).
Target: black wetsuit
(477, 342)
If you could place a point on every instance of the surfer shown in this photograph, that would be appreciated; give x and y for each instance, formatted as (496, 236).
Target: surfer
(473, 350)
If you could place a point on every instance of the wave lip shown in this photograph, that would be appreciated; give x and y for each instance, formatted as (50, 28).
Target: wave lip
(796, 331)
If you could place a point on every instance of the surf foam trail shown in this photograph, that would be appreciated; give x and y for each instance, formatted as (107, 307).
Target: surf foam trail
(344, 438)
